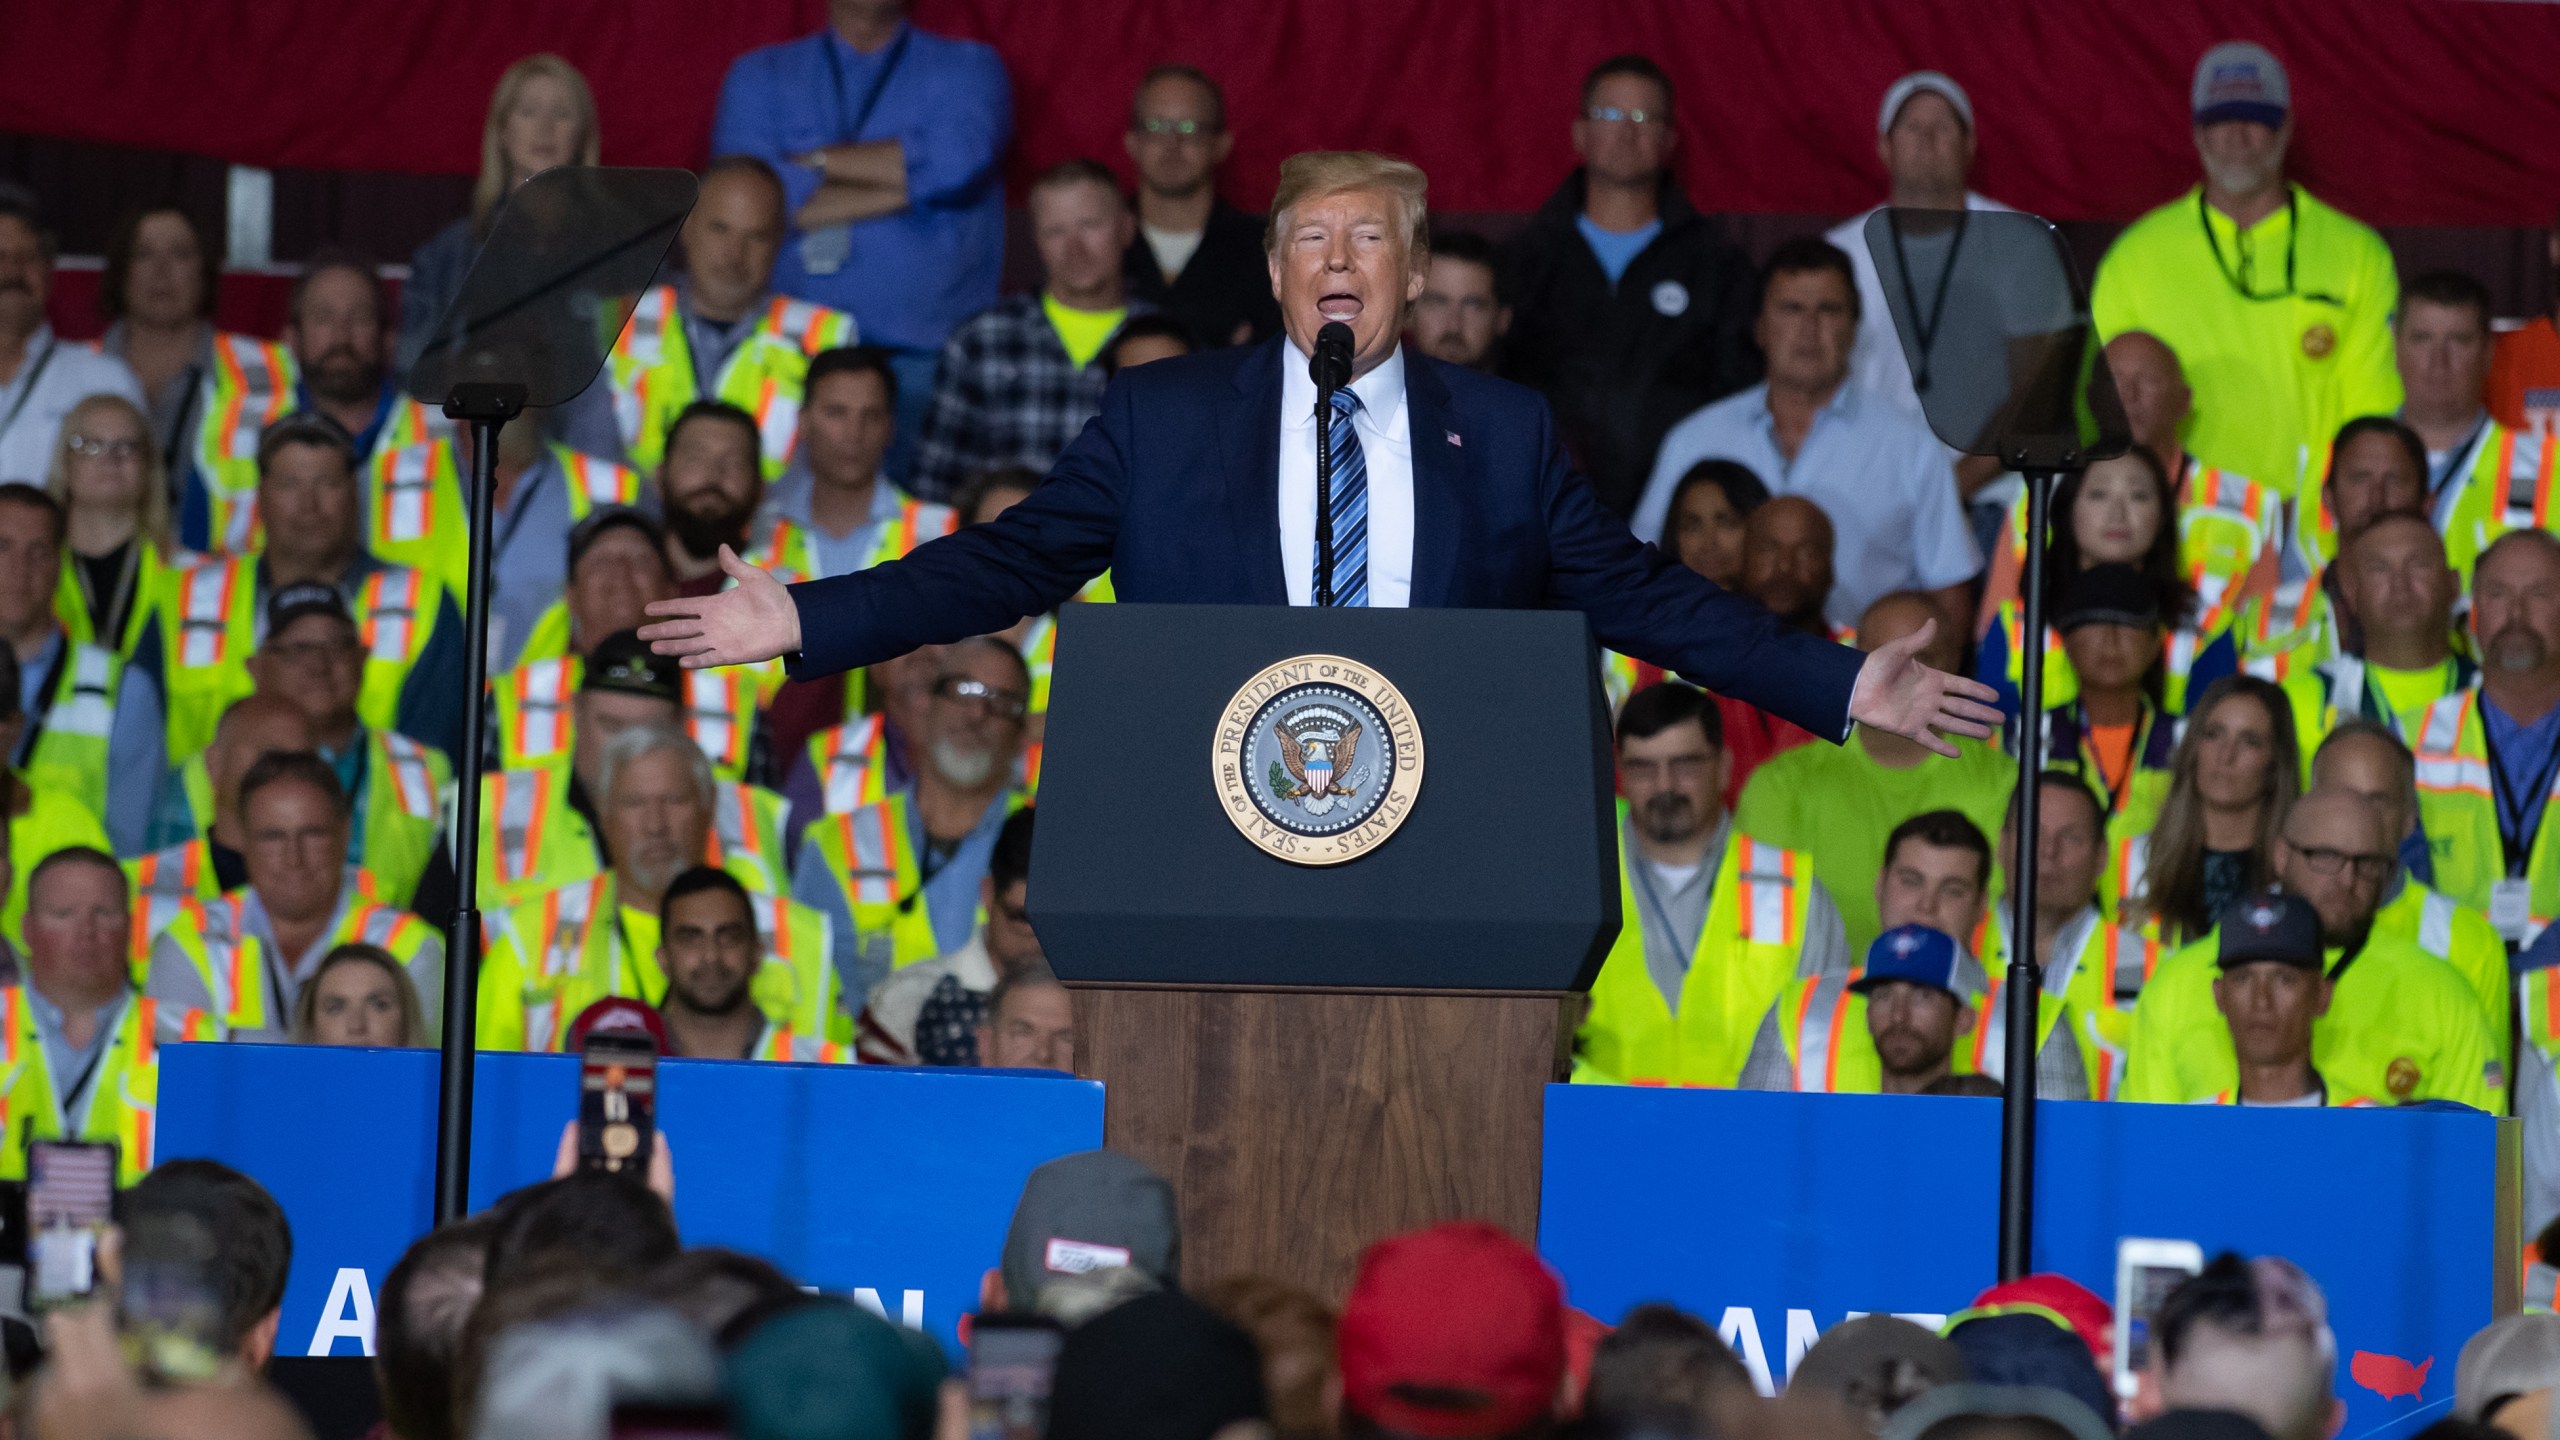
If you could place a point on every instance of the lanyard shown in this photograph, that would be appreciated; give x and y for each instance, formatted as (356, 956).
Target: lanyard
(852, 130)
(2117, 786)
(2292, 241)
(27, 389)
(1642, 869)
(46, 694)
(1924, 329)
(528, 486)
(2513, 837)
(2460, 458)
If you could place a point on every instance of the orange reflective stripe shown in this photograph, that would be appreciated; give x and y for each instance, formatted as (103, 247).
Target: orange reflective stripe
(1804, 1008)
(1982, 1024)
(146, 1044)
(236, 388)
(11, 1019)
(1831, 1057)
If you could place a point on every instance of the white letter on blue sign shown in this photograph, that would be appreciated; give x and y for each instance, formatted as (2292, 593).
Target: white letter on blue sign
(910, 1306)
(347, 1316)
(1741, 1330)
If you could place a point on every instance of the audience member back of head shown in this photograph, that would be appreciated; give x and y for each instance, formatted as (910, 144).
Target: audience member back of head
(610, 1222)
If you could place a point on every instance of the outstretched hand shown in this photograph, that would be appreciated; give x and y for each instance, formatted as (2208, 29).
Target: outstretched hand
(1896, 693)
(752, 620)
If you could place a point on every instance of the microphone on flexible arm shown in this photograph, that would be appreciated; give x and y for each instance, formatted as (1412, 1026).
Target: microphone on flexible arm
(1330, 369)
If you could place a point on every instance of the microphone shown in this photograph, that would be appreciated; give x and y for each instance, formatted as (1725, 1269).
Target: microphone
(1330, 366)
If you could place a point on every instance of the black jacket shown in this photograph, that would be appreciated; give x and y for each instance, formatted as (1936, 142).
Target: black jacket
(1623, 365)
(1226, 283)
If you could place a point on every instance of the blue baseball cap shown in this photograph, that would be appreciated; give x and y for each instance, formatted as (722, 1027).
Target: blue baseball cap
(2237, 80)
(1913, 954)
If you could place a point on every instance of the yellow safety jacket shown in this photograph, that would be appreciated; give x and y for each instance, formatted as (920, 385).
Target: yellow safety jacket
(785, 547)
(152, 577)
(532, 839)
(165, 883)
(851, 762)
(1040, 643)
(209, 624)
(236, 970)
(403, 811)
(416, 515)
(2094, 982)
(535, 721)
(2458, 808)
(2341, 688)
(781, 1042)
(2291, 628)
(251, 386)
(236, 529)
(70, 754)
(1823, 1024)
(564, 949)
(652, 375)
(1750, 946)
(868, 855)
(2133, 805)
(2456, 934)
(54, 821)
(123, 1099)
(2501, 482)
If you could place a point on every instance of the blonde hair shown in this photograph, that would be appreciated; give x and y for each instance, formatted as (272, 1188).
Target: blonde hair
(1312, 174)
(492, 186)
(152, 524)
(306, 1006)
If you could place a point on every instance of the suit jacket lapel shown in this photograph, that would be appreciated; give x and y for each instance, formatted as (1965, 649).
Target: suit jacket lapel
(1439, 466)
(1250, 434)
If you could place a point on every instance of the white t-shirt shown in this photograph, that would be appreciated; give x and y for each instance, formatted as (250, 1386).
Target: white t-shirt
(55, 375)
(1173, 248)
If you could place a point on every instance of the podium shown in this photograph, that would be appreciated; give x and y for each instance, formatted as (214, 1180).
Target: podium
(1326, 886)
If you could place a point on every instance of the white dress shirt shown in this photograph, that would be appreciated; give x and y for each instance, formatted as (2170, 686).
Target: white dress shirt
(35, 400)
(1386, 442)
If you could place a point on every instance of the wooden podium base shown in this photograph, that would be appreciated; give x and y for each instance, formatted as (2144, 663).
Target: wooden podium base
(1299, 1125)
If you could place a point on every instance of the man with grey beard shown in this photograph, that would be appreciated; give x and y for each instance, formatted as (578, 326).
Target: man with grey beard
(900, 876)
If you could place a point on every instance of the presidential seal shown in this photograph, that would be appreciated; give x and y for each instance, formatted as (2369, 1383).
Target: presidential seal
(1317, 759)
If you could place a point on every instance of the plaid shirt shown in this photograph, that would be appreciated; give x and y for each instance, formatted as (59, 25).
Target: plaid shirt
(1006, 395)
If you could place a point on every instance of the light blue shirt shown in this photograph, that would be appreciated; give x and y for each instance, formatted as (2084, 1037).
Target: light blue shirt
(529, 568)
(1886, 483)
(75, 1067)
(1616, 249)
(137, 745)
(950, 898)
(789, 499)
(907, 277)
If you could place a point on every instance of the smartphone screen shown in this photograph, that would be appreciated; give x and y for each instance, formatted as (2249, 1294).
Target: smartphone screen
(617, 1102)
(2146, 1271)
(1011, 1360)
(71, 1192)
(669, 1422)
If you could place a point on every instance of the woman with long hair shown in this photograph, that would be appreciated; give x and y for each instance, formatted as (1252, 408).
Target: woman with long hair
(158, 294)
(360, 995)
(2234, 774)
(541, 115)
(2117, 512)
(118, 552)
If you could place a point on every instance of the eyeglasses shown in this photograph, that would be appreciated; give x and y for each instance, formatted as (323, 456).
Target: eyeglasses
(960, 689)
(1632, 117)
(112, 449)
(2324, 861)
(1179, 129)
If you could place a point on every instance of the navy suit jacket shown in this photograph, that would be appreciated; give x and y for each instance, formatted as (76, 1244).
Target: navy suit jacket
(1175, 488)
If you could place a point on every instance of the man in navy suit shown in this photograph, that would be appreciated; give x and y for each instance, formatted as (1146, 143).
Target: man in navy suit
(1196, 484)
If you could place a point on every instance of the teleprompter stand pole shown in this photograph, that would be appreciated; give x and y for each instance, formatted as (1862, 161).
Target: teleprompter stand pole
(2025, 980)
(484, 407)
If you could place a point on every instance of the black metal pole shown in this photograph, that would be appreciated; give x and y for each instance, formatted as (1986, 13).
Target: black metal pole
(485, 407)
(1324, 496)
(2025, 981)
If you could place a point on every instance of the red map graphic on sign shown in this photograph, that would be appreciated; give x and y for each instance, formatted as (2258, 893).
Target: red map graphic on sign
(2389, 1376)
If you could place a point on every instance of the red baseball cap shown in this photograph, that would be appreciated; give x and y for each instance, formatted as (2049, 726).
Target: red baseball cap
(615, 1013)
(2062, 1300)
(1453, 1331)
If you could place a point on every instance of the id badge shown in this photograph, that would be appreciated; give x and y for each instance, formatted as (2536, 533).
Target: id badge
(824, 251)
(2510, 908)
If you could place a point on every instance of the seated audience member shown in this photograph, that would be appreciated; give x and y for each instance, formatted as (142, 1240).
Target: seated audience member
(721, 333)
(566, 1374)
(2402, 1025)
(2273, 986)
(2504, 723)
(158, 290)
(1293, 1328)
(710, 486)
(565, 945)
(417, 515)
(421, 1310)
(1838, 802)
(899, 878)
(2232, 777)
(2117, 513)
(2508, 1375)
(2230, 527)
(48, 374)
(2377, 467)
(833, 512)
(2095, 966)
(2113, 728)
(717, 1289)
(1194, 256)
(313, 658)
(1018, 379)
(1464, 312)
(1456, 1330)
(1892, 1030)
(77, 1000)
(1142, 340)
(2483, 477)
(1786, 564)
(1030, 1023)
(1936, 876)
(2370, 762)
(214, 614)
(39, 819)
(246, 957)
(360, 995)
(1880, 475)
(92, 732)
(207, 1216)
(1718, 921)
(541, 825)
(1711, 509)
(830, 1368)
(2397, 593)
(119, 546)
(929, 1013)
(1161, 1365)
(541, 116)
(710, 951)
(2249, 1337)
(201, 845)
(1874, 1365)
(1661, 1365)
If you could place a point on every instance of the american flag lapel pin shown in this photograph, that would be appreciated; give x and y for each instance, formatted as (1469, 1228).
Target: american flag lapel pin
(1454, 440)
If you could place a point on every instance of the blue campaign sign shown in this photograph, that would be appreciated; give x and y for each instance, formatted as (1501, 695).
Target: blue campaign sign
(893, 1185)
(1778, 1216)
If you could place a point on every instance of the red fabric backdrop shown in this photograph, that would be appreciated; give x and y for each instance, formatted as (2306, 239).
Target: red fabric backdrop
(2411, 111)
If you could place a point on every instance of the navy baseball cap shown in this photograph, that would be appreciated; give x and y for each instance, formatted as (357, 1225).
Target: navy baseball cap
(2107, 595)
(2237, 80)
(2273, 925)
(309, 597)
(1914, 954)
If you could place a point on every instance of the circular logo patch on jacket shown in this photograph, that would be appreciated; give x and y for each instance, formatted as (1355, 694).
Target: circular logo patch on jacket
(1670, 297)
(2318, 341)
(1317, 759)
(2402, 1078)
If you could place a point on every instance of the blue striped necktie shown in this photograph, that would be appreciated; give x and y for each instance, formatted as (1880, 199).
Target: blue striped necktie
(1350, 505)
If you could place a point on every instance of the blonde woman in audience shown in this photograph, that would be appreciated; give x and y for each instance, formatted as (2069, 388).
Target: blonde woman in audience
(360, 995)
(119, 547)
(2235, 773)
